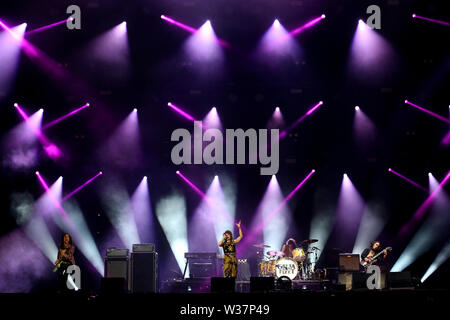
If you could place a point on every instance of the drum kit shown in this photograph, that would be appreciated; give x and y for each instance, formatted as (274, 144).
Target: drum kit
(298, 267)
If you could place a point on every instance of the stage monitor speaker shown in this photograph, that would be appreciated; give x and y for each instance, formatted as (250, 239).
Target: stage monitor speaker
(262, 284)
(399, 280)
(223, 284)
(348, 262)
(144, 272)
(113, 286)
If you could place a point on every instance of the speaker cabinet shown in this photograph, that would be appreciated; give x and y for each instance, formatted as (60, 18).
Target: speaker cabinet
(223, 284)
(399, 280)
(116, 268)
(144, 272)
(262, 284)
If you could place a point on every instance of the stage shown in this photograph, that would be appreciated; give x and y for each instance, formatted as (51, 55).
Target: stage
(151, 151)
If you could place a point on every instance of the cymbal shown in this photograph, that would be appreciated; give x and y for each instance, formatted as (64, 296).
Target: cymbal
(309, 241)
(261, 245)
(275, 253)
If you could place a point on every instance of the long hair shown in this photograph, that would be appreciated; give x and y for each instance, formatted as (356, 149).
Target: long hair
(61, 244)
(292, 241)
(372, 243)
(230, 233)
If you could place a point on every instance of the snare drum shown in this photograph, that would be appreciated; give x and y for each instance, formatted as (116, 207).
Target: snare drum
(286, 267)
(298, 254)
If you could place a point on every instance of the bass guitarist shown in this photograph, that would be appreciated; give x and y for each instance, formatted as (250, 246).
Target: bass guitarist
(373, 250)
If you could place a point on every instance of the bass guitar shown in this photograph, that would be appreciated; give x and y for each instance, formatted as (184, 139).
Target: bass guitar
(372, 260)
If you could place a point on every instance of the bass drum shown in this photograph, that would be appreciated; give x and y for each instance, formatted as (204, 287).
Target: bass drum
(287, 267)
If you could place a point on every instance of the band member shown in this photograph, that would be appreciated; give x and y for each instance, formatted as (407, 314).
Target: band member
(65, 258)
(375, 248)
(289, 247)
(229, 250)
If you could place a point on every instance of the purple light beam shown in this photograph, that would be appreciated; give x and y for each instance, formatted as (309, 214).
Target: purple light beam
(191, 29)
(10, 56)
(277, 119)
(444, 23)
(52, 123)
(371, 58)
(429, 112)
(307, 25)
(446, 140)
(420, 212)
(193, 186)
(52, 25)
(179, 24)
(201, 193)
(142, 211)
(212, 120)
(181, 112)
(250, 238)
(299, 120)
(51, 149)
(16, 36)
(55, 201)
(71, 194)
(408, 180)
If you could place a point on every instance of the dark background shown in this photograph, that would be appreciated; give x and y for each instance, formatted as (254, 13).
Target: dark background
(245, 94)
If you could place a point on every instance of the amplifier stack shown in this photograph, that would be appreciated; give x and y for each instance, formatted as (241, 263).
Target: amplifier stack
(138, 270)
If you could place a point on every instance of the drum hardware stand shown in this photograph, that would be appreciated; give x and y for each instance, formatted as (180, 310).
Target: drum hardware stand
(313, 269)
(308, 267)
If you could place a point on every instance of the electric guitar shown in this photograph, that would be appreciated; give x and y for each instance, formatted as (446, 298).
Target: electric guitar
(61, 261)
(57, 266)
(372, 260)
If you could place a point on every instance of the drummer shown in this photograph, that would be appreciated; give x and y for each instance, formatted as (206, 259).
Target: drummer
(289, 247)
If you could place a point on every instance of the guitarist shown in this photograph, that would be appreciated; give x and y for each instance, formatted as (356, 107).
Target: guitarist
(64, 260)
(374, 249)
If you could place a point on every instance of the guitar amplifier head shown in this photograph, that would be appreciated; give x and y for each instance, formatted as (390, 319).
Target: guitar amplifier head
(115, 252)
(348, 262)
(144, 247)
